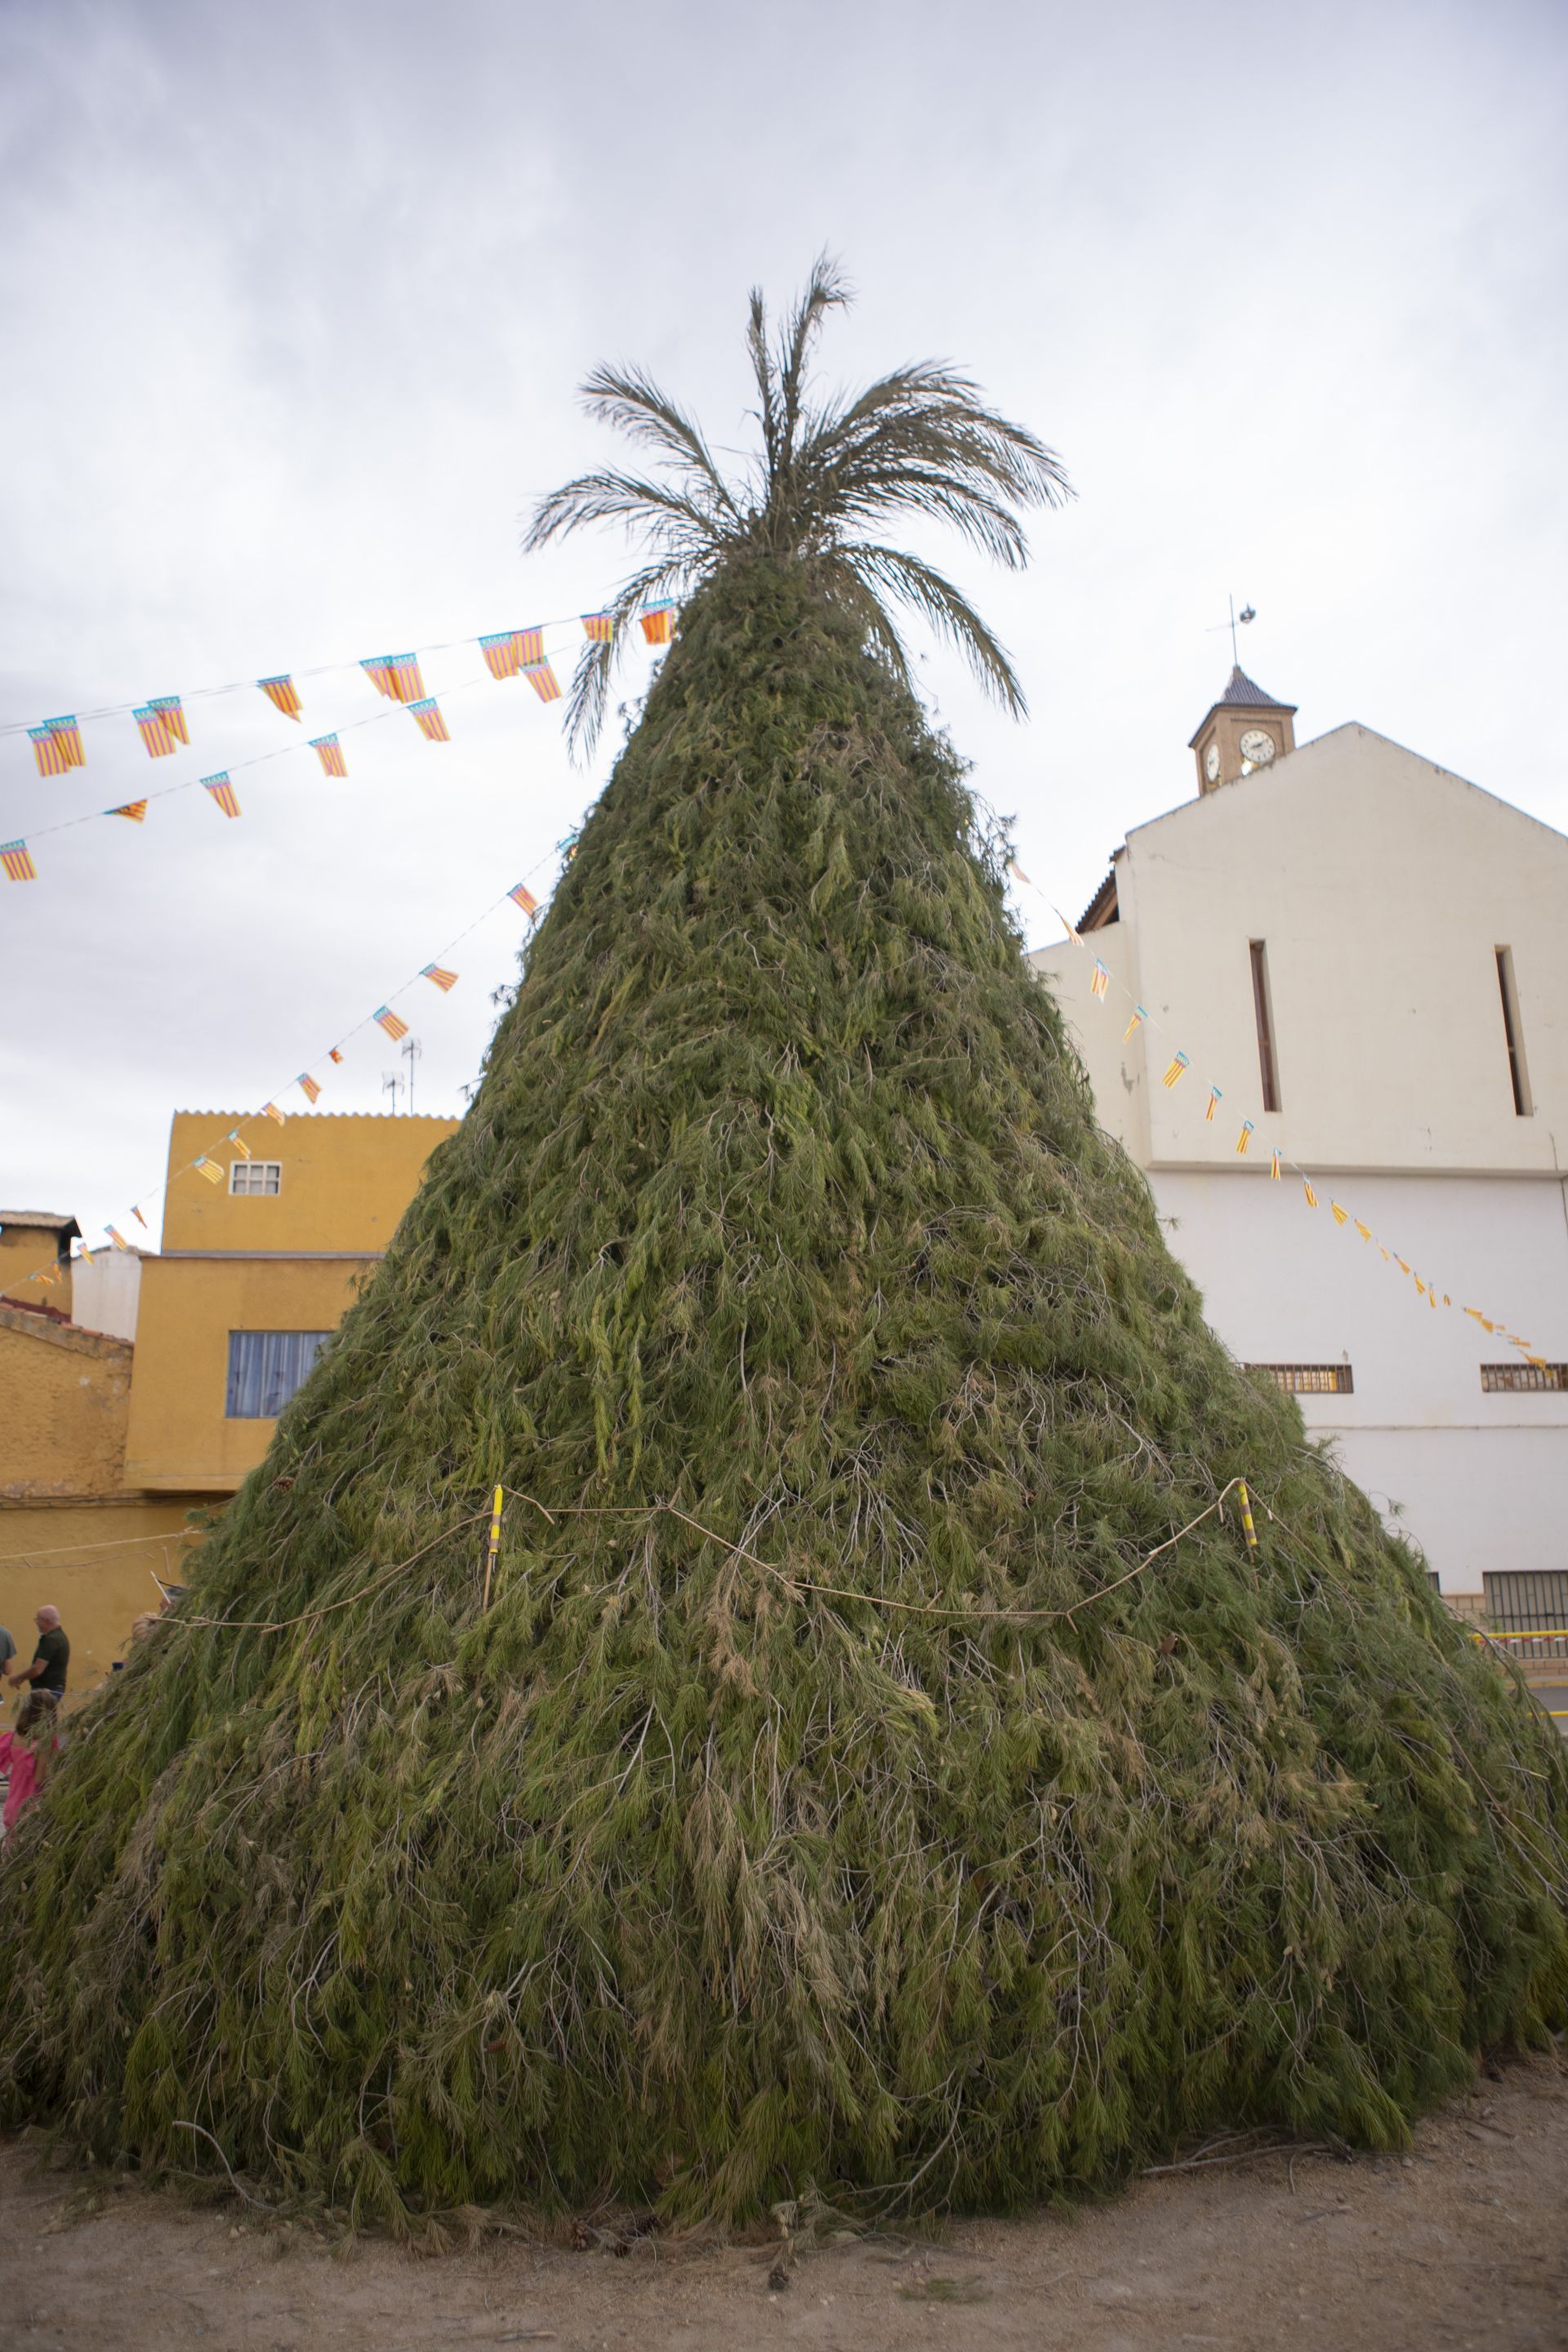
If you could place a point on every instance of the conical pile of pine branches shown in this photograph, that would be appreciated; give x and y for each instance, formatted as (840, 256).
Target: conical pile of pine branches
(849, 1778)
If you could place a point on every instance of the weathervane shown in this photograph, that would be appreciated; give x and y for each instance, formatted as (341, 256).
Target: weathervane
(1237, 621)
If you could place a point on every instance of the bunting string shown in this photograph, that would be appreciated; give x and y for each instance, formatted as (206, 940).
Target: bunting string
(1099, 988)
(439, 970)
(57, 745)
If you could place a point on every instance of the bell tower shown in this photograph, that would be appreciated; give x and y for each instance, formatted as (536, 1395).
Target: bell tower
(1246, 728)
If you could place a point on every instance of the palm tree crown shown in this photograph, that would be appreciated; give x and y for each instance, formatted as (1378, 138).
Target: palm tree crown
(919, 439)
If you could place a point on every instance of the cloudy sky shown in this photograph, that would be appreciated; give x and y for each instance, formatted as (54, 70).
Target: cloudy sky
(297, 299)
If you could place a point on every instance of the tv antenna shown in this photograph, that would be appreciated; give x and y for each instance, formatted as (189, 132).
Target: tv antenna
(411, 1050)
(392, 1083)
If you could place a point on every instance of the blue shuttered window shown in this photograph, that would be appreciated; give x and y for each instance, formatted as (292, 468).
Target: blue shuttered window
(265, 1368)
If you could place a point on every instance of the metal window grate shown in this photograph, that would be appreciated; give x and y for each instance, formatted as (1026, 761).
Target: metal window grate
(1309, 1380)
(1533, 1379)
(1529, 1603)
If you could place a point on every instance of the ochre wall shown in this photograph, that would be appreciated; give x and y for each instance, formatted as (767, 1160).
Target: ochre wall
(179, 1439)
(63, 1402)
(95, 1562)
(345, 1181)
(23, 1250)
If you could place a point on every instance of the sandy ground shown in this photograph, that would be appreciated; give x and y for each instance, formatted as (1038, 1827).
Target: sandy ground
(1464, 2242)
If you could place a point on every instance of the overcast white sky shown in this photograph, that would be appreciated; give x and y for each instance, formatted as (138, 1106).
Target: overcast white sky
(295, 301)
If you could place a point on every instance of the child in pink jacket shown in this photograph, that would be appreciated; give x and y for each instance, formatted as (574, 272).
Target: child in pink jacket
(25, 1754)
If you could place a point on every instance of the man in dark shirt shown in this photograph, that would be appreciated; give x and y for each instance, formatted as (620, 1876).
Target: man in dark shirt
(51, 1659)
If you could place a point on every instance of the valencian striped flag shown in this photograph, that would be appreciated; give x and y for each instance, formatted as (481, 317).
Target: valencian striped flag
(1341, 1216)
(1306, 1188)
(523, 897)
(270, 1110)
(1274, 1168)
(57, 746)
(136, 810)
(1244, 1137)
(138, 1217)
(427, 717)
(656, 621)
(116, 1237)
(396, 676)
(209, 1169)
(333, 1055)
(308, 1087)
(502, 657)
(1216, 1095)
(282, 694)
(542, 680)
(1138, 1015)
(329, 751)
(598, 626)
(443, 980)
(238, 1141)
(393, 1026)
(1100, 981)
(1364, 1230)
(223, 792)
(162, 726)
(1174, 1071)
(512, 650)
(17, 860)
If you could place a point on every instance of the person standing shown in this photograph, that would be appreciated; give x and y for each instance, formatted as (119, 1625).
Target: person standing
(8, 1649)
(51, 1659)
(25, 1755)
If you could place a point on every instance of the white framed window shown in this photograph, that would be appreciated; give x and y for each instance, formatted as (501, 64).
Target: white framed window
(256, 1176)
(265, 1368)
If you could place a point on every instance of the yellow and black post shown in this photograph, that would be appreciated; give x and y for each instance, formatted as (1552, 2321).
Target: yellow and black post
(1247, 1529)
(495, 1543)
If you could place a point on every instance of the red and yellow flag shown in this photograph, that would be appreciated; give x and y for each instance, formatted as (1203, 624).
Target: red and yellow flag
(270, 1110)
(136, 810)
(523, 897)
(308, 1087)
(116, 1237)
(657, 622)
(599, 627)
(57, 746)
(17, 860)
(443, 980)
(333, 1055)
(162, 726)
(427, 717)
(396, 676)
(329, 751)
(209, 1169)
(282, 694)
(1178, 1064)
(1306, 1188)
(223, 792)
(543, 680)
(394, 1025)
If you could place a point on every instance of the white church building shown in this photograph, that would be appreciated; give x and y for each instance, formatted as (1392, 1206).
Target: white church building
(1368, 957)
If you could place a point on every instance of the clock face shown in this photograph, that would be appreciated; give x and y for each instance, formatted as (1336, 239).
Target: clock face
(1211, 761)
(1258, 747)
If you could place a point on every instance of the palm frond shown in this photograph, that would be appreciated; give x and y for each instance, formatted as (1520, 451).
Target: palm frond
(827, 289)
(892, 572)
(667, 516)
(634, 405)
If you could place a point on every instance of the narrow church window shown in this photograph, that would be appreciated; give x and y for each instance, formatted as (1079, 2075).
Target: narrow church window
(1514, 1034)
(1268, 1066)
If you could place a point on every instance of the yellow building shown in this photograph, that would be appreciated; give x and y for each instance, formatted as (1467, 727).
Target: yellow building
(34, 1258)
(106, 1445)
